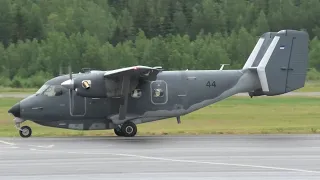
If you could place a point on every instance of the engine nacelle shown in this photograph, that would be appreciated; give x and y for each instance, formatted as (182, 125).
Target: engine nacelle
(95, 85)
(90, 85)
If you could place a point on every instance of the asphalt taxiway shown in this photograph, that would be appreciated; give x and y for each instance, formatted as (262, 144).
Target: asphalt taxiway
(168, 157)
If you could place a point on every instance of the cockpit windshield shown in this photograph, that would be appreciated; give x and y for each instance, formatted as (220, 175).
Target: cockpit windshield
(51, 90)
(42, 89)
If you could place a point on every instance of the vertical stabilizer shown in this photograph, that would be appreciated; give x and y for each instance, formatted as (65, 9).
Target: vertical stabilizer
(283, 66)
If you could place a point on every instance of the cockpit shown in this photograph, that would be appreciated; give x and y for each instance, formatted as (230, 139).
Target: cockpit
(51, 90)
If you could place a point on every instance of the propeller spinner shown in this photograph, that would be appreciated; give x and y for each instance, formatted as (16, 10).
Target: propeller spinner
(69, 84)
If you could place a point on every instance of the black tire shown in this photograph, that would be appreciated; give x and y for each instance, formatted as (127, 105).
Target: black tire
(129, 129)
(118, 132)
(25, 131)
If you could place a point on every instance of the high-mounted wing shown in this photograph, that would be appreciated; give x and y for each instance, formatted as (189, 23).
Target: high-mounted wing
(141, 71)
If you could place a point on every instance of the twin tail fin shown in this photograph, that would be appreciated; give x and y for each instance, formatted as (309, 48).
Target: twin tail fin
(280, 60)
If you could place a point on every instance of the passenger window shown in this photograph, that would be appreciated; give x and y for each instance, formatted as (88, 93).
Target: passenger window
(158, 93)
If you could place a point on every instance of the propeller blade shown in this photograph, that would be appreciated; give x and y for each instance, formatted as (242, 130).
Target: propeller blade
(70, 71)
(60, 71)
(71, 101)
(70, 85)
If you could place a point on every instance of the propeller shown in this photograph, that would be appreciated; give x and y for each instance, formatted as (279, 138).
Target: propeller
(70, 71)
(69, 84)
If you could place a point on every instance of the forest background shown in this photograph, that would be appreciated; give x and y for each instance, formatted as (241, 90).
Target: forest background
(39, 38)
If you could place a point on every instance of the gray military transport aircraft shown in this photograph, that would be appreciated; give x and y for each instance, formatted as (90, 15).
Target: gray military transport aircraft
(121, 98)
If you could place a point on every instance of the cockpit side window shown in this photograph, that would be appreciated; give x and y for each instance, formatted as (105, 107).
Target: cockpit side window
(51, 90)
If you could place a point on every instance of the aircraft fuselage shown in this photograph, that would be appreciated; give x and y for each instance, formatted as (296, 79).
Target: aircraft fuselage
(172, 94)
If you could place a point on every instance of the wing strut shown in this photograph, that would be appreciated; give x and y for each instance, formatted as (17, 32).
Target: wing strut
(125, 94)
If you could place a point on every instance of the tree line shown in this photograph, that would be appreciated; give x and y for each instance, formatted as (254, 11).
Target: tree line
(38, 37)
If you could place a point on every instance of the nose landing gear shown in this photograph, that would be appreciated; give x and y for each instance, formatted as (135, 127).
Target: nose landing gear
(24, 131)
(128, 129)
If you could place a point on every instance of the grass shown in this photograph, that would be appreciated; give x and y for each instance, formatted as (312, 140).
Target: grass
(311, 86)
(17, 90)
(236, 115)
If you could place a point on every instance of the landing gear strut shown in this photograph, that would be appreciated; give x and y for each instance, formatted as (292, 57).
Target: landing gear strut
(128, 129)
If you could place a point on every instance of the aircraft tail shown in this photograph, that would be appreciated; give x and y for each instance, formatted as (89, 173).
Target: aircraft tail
(280, 60)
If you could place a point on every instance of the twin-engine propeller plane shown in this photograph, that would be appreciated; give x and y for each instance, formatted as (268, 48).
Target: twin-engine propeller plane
(121, 98)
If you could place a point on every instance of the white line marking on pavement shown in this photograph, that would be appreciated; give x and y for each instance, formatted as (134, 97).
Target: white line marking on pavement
(187, 161)
(7, 143)
(49, 146)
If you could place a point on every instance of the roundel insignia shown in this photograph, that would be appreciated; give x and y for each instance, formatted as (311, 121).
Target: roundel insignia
(86, 84)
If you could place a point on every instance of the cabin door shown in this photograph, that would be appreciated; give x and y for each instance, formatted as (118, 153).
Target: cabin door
(77, 105)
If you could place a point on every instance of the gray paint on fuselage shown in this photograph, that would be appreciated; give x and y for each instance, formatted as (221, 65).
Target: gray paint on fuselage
(228, 83)
(197, 94)
(194, 90)
(186, 91)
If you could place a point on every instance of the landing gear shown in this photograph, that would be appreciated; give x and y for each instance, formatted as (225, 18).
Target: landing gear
(128, 129)
(25, 131)
(118, 131)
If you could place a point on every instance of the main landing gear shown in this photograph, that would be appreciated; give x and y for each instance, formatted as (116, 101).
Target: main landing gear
(128, 129)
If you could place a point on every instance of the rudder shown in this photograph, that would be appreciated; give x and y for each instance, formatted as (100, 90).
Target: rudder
(284, 65)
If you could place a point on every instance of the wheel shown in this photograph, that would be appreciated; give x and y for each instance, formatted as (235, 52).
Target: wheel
(25, 131)
(129, 129)
(118, 132)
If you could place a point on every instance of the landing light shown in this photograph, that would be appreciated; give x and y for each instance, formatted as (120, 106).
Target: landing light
(86, 84)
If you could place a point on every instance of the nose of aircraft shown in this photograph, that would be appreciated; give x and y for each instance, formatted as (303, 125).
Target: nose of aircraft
(15, 110)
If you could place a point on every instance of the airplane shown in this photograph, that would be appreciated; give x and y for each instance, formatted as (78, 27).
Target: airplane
(120, 99)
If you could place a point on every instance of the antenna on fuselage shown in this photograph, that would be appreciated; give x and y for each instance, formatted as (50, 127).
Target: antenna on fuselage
(222, 66)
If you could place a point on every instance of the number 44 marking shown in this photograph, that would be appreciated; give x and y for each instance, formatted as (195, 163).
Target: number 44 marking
(211, 84)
